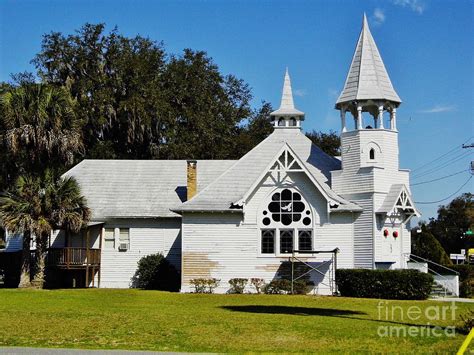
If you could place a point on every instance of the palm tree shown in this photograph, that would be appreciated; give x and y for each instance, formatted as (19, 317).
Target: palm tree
(70, 211)
(35, 208)
(23, 211)
(39, 121)
(66, 209)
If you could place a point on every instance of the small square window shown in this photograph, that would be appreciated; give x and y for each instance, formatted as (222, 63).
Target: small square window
(109, 238)
(124, 235)
(124, 239)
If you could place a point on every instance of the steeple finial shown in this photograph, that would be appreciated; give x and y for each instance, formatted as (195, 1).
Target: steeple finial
(287, 95)
(287, 105)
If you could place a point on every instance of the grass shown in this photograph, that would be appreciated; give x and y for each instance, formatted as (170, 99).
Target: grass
(150, 320)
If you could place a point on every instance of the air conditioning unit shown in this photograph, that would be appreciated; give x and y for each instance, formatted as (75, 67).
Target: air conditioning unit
(123, 246)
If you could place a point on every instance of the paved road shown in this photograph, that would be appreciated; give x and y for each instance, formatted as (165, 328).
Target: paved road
(39, 351)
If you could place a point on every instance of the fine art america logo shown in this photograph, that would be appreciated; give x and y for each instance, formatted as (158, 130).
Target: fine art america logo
(406, 320)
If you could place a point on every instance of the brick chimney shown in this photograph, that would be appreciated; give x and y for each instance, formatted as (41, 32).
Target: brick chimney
(191, 178)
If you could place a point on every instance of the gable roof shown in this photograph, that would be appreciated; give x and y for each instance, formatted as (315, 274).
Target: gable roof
(392, 198)
(233, 185)
(367, 77)
(139, 188)
(285, 160)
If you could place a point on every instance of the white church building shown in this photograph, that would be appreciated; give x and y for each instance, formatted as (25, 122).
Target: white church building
(246, 218)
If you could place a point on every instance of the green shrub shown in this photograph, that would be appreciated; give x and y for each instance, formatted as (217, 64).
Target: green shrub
(424, 244)
(204, 285)
(466, 279)
(200, 285)
(467, 322)
(237, 285)
(387, 284)
(465, 271)
(154, 272)
(302, 287)
(466, 288)
(212, 284)
(272, 288)
(258, 284)
(277, 287)
(280, 286)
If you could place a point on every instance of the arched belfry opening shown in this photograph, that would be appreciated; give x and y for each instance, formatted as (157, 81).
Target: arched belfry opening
(372, 154)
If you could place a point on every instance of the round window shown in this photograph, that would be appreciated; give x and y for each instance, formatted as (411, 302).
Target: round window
(287, 207)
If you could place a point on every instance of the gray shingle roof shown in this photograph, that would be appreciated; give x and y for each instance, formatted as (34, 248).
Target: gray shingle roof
(233, 184)
(367, 77)
(139, 188)
(391, 198)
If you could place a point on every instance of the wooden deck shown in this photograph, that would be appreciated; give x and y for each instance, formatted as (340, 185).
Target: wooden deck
(73, 258)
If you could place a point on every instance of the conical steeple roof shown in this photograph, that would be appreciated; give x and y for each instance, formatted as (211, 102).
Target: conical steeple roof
(367, 77)
(287, 106)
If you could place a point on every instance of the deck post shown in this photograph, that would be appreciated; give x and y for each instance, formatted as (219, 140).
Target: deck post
(87, 257)
(93, 276)
(335, 268)
(68, 257)
(100, 255)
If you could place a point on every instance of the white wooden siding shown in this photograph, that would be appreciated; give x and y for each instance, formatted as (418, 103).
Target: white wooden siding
(76, 240)
(363, 231)
(147, 237)
(220, 246)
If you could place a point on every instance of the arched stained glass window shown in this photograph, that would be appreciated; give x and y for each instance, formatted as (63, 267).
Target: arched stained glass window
(286, 223)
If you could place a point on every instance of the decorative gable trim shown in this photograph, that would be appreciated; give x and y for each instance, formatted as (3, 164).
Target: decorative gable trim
(398, 203)
(286, 161)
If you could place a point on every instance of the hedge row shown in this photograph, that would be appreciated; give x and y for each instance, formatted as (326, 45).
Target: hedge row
(387, 284)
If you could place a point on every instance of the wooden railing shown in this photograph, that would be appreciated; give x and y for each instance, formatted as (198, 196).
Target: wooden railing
(73, 257)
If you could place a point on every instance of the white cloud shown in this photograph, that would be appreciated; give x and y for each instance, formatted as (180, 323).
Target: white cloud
(417, 6)
(440, 108)
(378, 16)
(300, 92)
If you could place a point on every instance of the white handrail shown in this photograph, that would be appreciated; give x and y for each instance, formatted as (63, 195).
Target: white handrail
(433, 271)
(430, 261)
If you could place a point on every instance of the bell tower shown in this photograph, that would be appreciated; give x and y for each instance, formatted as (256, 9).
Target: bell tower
(368, 87)
(369, 97)
(370, 174)
(287, 116)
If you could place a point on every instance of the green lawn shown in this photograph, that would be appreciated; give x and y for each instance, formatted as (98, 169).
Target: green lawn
(149, 320)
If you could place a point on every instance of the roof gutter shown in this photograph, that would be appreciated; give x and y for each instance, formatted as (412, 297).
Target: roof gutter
(181, 211)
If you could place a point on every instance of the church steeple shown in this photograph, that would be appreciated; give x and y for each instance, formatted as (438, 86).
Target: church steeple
(368, 87)
(287, 115)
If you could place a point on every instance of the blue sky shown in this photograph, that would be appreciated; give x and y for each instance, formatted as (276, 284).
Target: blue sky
(427, 47)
